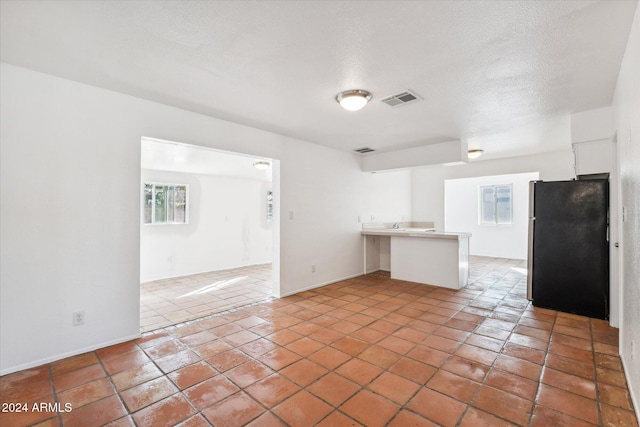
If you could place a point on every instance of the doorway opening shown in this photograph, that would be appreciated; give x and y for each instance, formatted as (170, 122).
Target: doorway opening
(209, 232)
(494, 209)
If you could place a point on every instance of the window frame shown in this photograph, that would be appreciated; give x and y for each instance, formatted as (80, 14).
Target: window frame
(481, 205)
(269, 200)
(155, 184)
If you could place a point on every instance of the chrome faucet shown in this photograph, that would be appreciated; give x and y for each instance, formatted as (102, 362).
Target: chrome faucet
(396, 225)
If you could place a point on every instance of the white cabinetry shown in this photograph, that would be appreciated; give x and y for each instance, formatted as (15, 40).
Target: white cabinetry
(593, 157)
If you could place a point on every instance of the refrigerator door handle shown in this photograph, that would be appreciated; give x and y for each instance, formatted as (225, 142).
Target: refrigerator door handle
(530, 260)
(532, 192)
(532, 219)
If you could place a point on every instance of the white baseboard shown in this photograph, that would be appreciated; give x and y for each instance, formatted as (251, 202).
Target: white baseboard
(388, 270)
(632, 392)
(319, 285)
(46, 360)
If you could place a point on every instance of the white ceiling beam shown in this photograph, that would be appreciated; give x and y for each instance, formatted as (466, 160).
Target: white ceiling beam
(452, 152)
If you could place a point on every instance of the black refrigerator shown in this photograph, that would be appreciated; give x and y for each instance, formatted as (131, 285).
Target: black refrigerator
(568, 263)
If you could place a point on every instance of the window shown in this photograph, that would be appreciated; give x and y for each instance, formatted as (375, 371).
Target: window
(269, 206)
(166, 203)
(496, 204)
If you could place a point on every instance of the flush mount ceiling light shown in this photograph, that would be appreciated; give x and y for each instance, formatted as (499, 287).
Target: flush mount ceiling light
(475, 153)
(353, 100)
(261, 165)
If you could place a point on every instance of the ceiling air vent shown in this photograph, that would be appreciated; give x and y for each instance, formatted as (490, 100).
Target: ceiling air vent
(403, 98)
(364, 150)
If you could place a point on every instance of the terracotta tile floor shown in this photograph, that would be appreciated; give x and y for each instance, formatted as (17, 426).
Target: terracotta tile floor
(168, 302)
(367, 351)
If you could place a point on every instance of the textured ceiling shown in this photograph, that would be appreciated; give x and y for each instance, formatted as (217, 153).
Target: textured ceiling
(185, 158)
(501, 75)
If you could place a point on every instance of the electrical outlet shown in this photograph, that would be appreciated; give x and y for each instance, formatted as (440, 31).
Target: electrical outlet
(313, 268)
(291, 215)
(78, 318)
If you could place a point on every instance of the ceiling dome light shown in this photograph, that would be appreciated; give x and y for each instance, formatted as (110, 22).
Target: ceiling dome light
(261, 165)
(475, 153)
(353, 100)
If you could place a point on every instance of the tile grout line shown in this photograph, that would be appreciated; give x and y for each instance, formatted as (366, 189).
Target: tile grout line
(486, 376)
(54, 394)
(595, 373)
(467, 405)
(304, 388)
(544, 367)
(501, 309)
(415, 344)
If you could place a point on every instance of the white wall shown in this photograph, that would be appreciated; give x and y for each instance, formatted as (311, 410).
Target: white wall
(70, 210)
(591, 125)
(626, 105)
(390, 202)
(462, 213)
(427, 192)
(227, 227)
(390, 197)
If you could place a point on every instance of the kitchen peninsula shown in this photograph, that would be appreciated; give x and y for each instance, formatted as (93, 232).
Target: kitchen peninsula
(416, 252)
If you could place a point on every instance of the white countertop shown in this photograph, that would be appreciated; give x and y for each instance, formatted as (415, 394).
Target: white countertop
(413, 232)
